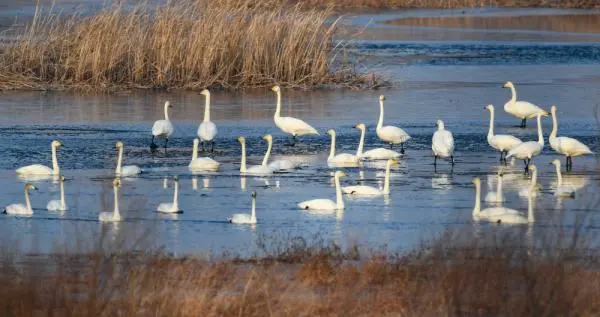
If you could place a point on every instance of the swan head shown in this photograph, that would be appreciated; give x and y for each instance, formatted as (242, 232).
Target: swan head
(360, 126)
(392, 162)
(196, 142)
(532, 168)
(116, 183)
(555, 163)
(508, 84)
(254, 194)
(553, 109)
(176, 178)
(168, 104)
(276, 88)
(119, 145)
(61, 179)
(268, 138)
(381, 98)
(29, 187)
(241, 139)
(476, 180)
(205, 92)
(439, 124)
(331, 132)
(56, 144)
(489, 107)
(340, 174)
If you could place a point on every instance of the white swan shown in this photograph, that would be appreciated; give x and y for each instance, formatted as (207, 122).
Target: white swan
(115, 215)
(245, 218)
(442, 143)
(277, 165)
(498, 195)
(521, 109)
(60, 204)
(42, 170)
(202, 164)
(340, 160)
(207, 129)
(373, 154)
(256, 170)
(500, 142)
(128, 170)
(390, 134)
(566, 146)
(290, 125)
(171, 208)
(362, 190)
(561, 190)
(20, 209)
(162, 128)
(498, 214)
(327, 204)
(527, 150)
(525, 192)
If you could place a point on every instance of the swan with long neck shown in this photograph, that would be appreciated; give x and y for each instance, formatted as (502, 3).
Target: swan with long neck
(498, 195)
(497, 214)
(343, 159)
(500, 142)
(256, 170)
(115, 215)
(561, 189)
(524, 192)
(20, 209)
(391, 134)
(363, 190)
(566, 146)
(245, 218)
(42, 171)
(277, 165)
(128, 170)
(442, 143)
(521, 109)
(527, 150)
(373, 154)
(327, 204)
(60, 204)
(290, 125)
(207, 129)
(172, 208)
(202, 164)
(162, 128)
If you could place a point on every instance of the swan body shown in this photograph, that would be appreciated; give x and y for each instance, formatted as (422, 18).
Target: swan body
(207, 129)
(500, 142)
(128, 170)
(59, 205)
(162, 128)
(340, 160)
(498, 196)
(42, 170)
(566, 146)
(20, 209)
(256, 170)
(533, 188)
(362, 190)
(327, 204)
(278, 165)
(171, 208)
(442, 142)
(561, 189)
(390, 134)
(527, 150)
(115, 215)
(499, 214)
(290, 125)
(521, 109)
(245, 218)
(202, 164)
(373, 154)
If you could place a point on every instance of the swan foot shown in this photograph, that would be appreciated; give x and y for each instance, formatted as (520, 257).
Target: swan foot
(153, 145)
(402, 148)
(212, 146)
(523, 123)
(569, 164)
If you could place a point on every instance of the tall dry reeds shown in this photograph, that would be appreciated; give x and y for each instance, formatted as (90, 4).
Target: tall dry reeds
(183, 44)
(446, 4)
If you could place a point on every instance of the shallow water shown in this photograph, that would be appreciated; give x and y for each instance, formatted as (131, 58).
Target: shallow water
(450, 80)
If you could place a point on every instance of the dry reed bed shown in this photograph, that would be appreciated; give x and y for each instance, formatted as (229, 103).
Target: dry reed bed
(184, 44)
(445, 4)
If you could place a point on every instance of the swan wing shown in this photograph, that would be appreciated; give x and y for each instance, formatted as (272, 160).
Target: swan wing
(525, 150)
(570, 147)
(241, 219)
(204, 164)
(504, 142)
(17, 209)
(496, 211)
(35, 169)
(392, 134)
(259, 170)
(295, 126)
(343, 158)
(54, 205)
(361, 190)
(523, 109)
(162, 128)
(130, 170)
(318, 204)
(207, 131)
(380, 154)
(282, 165)
(442, 143)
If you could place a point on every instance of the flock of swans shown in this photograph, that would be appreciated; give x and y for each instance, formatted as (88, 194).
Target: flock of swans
(442, 145)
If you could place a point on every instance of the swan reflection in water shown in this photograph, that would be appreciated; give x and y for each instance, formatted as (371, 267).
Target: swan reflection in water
(442, 181)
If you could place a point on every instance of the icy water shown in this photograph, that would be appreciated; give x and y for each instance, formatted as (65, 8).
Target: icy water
(434, 79)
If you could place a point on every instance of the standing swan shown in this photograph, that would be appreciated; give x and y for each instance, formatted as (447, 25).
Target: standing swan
(115, 215)
(391, 134)
(521, 109)
(566, 146)
(500, 142)
(128, 170)
(172, 208)
(494, 214)
(277, 165)
(498, 196)
(290, 125)
(527, 150)
(162, 128)
(361, 190)
(343, 159)
(373, 154)
(201, 164)
(257, 170)
(42, 170)
(442, 143)
(327, 204)
(20, 209)
(59, 205)
(561, 190)
(245, 218)
(207, 130)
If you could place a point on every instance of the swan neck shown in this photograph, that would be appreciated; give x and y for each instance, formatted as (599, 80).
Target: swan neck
(338, 194)
(477, 207)
(380, 122)
(554, 126)
(491, 129)
(361, 143)
(386, 181)
(176, 196)
(119, 161)
(513, 97)
(27, 202)
(207, 108)
(116, 199)
(278, 109)
(167, 112)
(332, 150)
(55, 168)
(268, 153)
(253, 215)
(243, 162)
(540, 135)
(195, 151)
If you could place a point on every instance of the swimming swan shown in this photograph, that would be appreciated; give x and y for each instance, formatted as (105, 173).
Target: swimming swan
(128, 170)
(277, 165)
(561, 190)
(42, 170)
(521, 109)
(20, 209)
(524, 192)
(498, 195)
(207, 130)
(390, 134)
(498, 214)
(527, 150)
(343, 159)
(162, 128)
(442, 143)
(256, 170)
(202, 164)
(172, 208)
(373, 154)
(566, 146)
(245, 218)
(327, 204)
(361, 190)
(290, 125)
(59, 205)
(500, 142)
(115, 215)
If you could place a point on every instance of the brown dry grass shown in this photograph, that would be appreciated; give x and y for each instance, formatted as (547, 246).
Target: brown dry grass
(446, 4)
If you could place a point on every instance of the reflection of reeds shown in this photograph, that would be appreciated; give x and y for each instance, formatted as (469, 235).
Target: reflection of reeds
(448, 4)
(185, 44)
